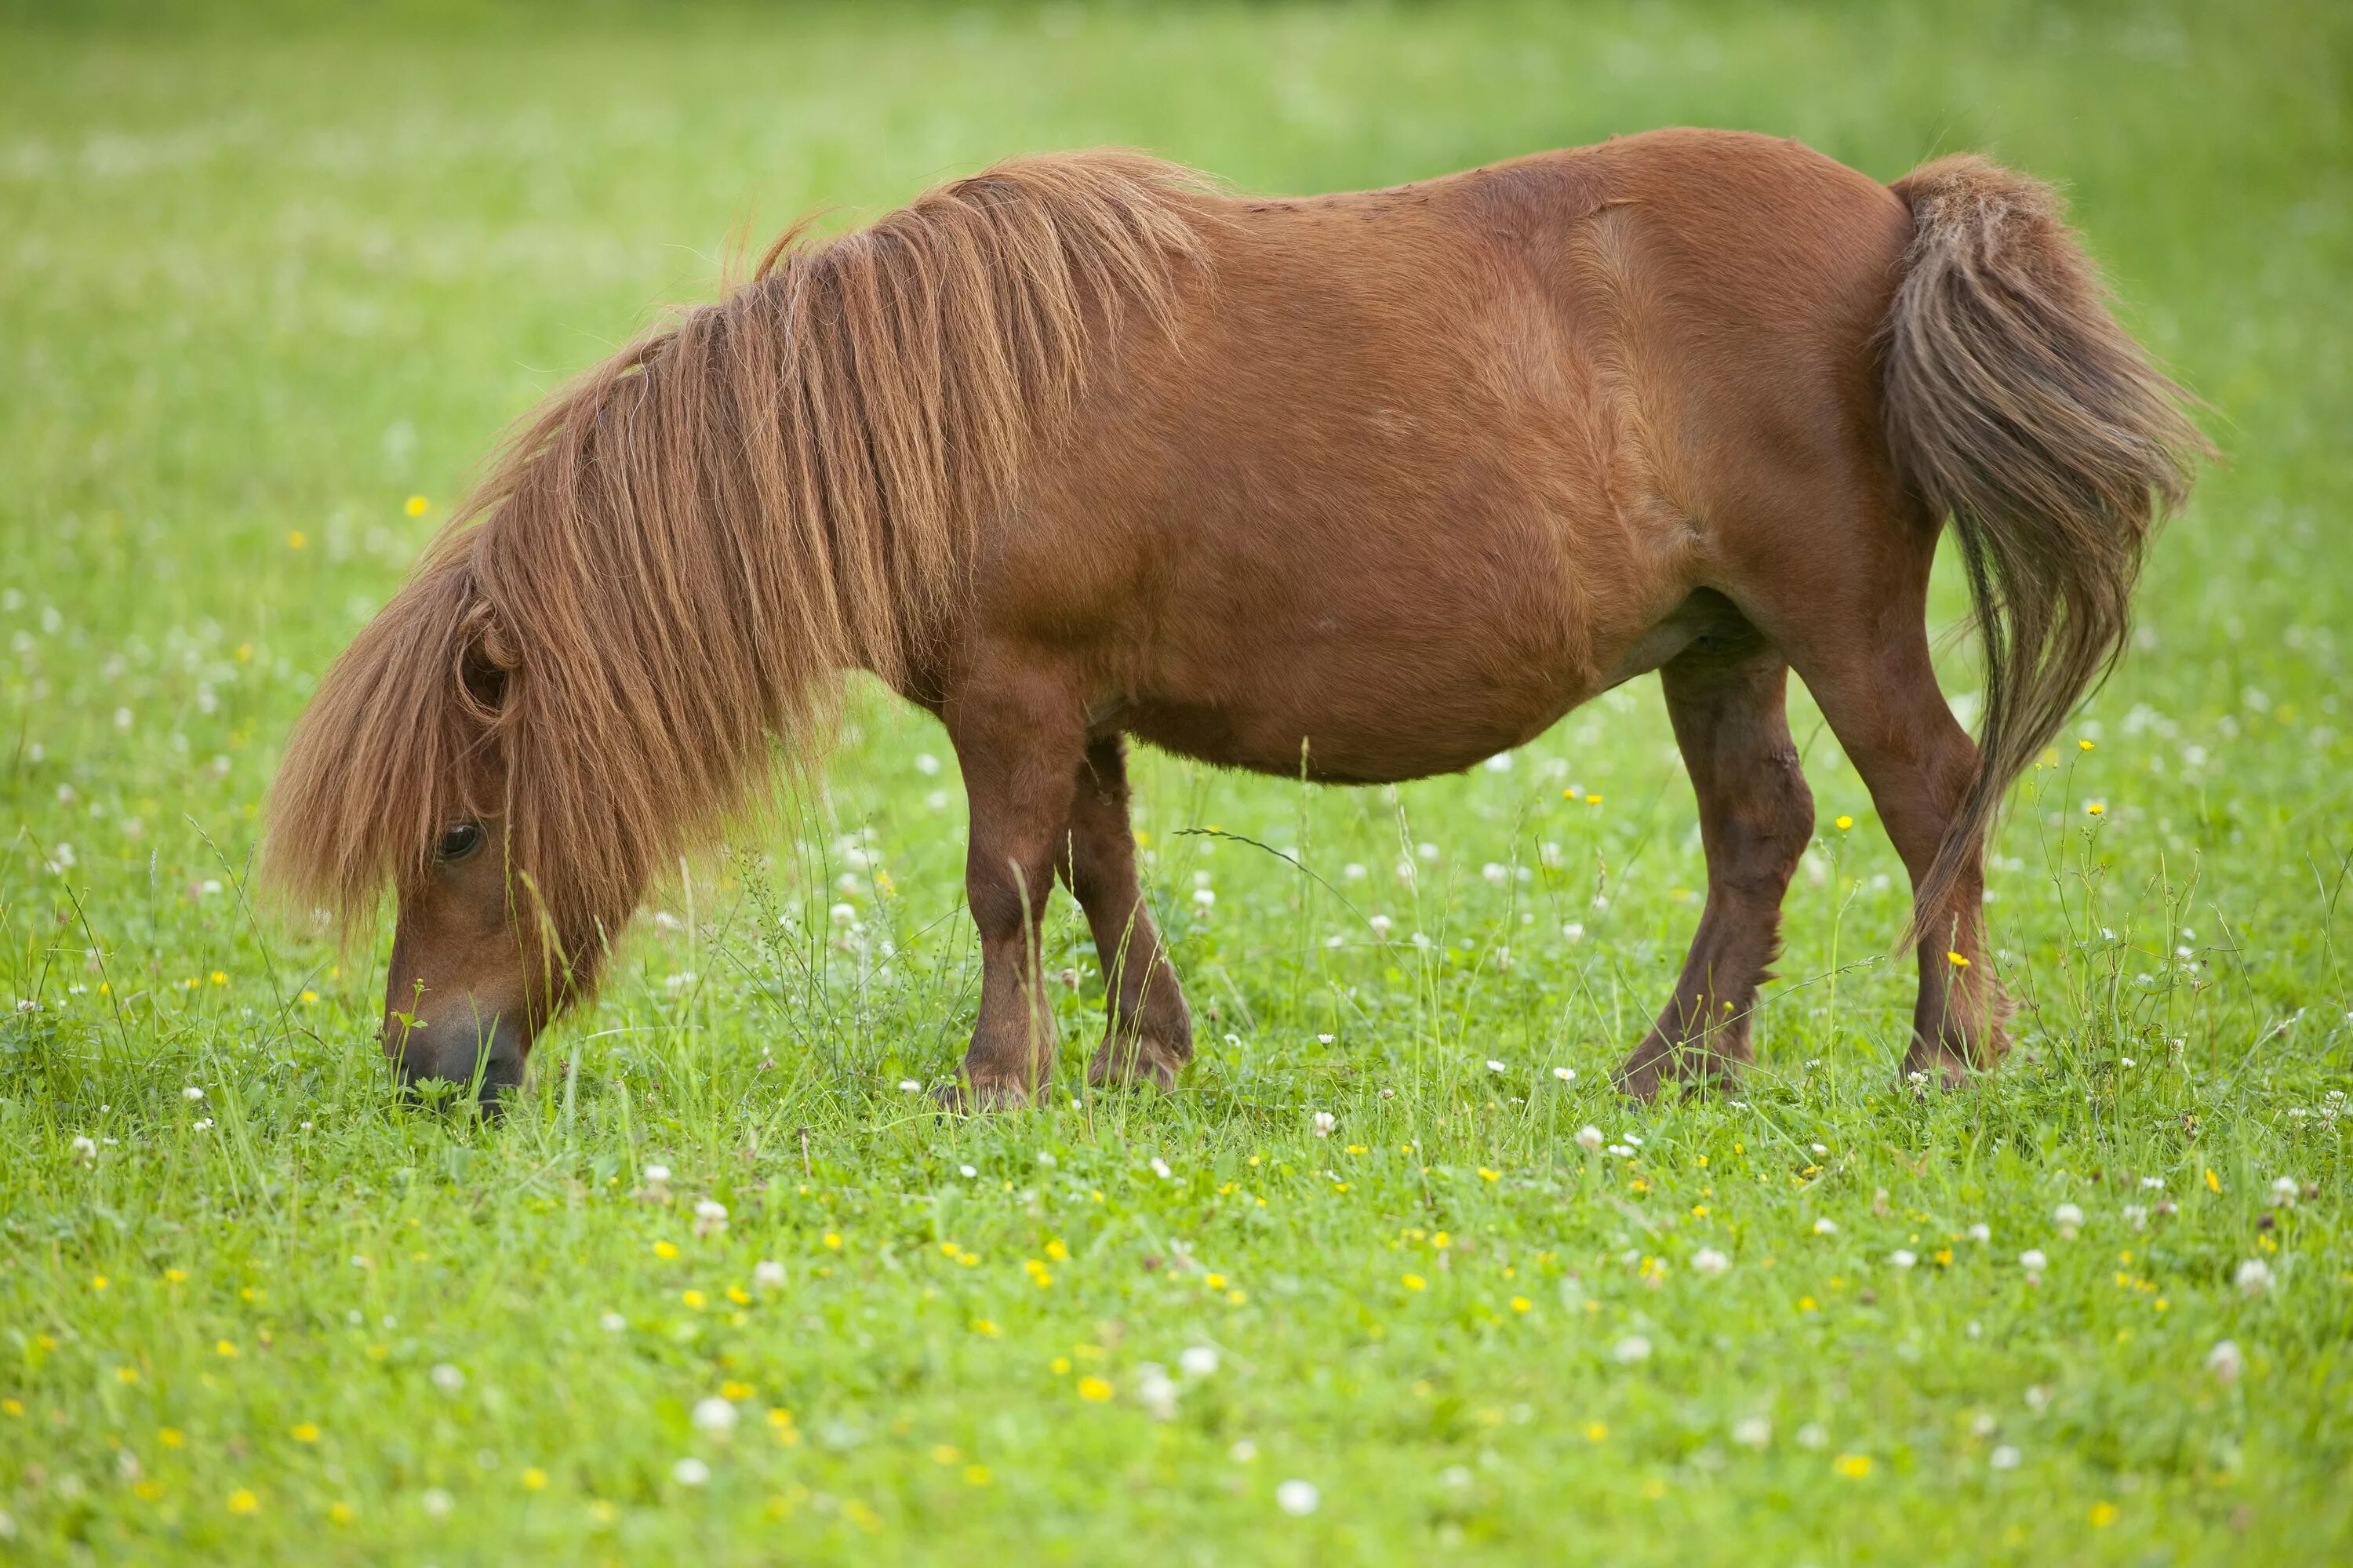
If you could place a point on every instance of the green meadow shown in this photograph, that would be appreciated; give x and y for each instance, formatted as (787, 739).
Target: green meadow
(272, 281)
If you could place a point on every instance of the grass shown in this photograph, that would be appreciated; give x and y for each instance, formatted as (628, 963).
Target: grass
(260, 287)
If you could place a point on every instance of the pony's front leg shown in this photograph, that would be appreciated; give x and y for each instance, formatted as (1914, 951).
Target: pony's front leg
(1019, 738)
(1148, 1035)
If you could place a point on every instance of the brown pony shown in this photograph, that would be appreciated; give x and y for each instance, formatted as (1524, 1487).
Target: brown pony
(1368, 487)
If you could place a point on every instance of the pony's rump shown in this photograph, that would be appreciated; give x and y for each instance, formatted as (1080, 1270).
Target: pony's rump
(2016, 406)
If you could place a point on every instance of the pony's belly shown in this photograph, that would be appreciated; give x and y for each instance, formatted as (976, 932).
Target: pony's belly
(1376, 716)
(1353, 743)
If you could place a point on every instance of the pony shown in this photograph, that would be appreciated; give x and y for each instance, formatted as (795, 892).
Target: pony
(1358, 488)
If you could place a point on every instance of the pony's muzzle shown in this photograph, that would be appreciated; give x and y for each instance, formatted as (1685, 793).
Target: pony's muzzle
(470, 1059)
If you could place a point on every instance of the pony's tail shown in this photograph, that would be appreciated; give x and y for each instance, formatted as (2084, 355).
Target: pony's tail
(2018, 406)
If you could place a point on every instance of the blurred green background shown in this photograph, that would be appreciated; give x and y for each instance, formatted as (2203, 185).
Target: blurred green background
(269, 272)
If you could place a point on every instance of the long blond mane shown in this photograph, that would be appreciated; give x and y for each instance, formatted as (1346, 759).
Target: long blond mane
(649, 599)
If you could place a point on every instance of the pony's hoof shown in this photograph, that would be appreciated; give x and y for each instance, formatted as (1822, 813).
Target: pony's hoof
(980, 1097)
(1138, 1059)
(1927, 1070)
(1656, 1061)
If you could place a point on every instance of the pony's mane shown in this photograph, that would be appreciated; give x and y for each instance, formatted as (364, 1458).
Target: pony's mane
(650, 594)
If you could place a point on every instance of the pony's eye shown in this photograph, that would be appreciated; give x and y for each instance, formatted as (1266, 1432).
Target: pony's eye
(462, 839)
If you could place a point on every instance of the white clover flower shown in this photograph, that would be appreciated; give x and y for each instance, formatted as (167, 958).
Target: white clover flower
(1980, 1232)
(1198, 1360)
(2254, 1278)
(1243, 1452)
(446, 1378)
(85, 1147)
(2225, 1361)
(1205, 897)
(2136, 1216)
(192, 1094)
(1813, 1434)
(1495, 875)
(2153, 1183)
(842, 915)
(691, 1472)
(2004, 1457)
(436, 1502)
(2283, 1192)
(1574, 931)
(1493, 1066)
(768, 1273)
(1752, 1431)
(612, 1322)
(1709, 1262)
(715, 1416)
(656, 1175)
(1156, 1392)
(1382, 926)
(1298, 1498)
(1826, 1226)
(2068, 1218)
(2033, 1261)
(1633, 1347)
(1902, 1258)
(710, 1209)
(1589, 1138)
(1324, 1122)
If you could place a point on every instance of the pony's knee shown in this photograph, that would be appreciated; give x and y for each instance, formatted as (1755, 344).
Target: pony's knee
(1777, 822)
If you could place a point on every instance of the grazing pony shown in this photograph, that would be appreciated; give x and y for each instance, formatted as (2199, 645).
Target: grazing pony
(1362, 487)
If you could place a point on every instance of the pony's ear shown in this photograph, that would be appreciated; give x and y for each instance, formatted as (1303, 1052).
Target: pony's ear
(486, 661)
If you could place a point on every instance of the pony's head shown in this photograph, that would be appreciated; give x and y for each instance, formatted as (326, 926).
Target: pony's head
(417, 765)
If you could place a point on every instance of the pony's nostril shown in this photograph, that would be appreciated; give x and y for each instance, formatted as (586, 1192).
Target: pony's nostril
(485, 1067)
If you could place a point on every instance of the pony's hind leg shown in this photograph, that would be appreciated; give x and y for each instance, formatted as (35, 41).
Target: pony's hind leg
(1018, 737)
(1865, 656)
(1727, 699)
(1149, 1034)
